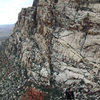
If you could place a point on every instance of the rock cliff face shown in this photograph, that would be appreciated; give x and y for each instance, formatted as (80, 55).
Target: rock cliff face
(54, 46)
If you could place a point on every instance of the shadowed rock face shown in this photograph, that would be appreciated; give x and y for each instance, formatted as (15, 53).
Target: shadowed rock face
(35, 3)
(56, 1)
(52, 48)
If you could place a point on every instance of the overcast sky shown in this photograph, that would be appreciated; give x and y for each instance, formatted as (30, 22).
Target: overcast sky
(9, 10)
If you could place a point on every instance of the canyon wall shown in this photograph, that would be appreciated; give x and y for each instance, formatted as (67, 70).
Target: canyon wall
(53, 46)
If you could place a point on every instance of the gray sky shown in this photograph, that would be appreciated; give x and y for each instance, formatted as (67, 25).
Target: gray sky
(9, 10)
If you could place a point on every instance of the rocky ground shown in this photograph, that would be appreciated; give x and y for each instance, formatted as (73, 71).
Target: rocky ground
(53, 47)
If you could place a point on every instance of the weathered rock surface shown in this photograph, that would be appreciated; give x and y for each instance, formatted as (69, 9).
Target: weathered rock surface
(52, 47)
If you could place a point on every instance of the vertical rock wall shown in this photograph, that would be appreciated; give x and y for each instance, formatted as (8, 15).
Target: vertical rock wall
(53, 47)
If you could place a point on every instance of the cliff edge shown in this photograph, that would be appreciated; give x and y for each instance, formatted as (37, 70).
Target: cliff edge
(54, 45)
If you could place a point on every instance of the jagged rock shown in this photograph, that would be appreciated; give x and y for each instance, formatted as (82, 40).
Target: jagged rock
(53, 46)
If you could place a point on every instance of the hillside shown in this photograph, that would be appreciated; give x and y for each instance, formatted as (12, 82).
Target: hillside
(55, 45)
(6, 30)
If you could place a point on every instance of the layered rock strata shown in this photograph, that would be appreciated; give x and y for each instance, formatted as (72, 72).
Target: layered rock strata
(53, 46)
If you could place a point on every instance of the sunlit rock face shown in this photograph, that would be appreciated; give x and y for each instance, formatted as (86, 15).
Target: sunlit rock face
(54, 46)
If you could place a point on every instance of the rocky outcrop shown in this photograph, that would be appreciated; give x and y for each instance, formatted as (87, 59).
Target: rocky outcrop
(53, 46)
